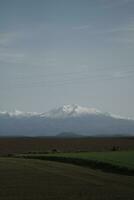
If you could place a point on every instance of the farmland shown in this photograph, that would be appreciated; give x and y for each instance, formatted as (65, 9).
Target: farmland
(124, 158)
(25, 144)
(116, 162)
(23, 179)
(41, 177)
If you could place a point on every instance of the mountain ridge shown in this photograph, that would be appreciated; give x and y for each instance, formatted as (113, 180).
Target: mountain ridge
(69, 118)
(70, 110)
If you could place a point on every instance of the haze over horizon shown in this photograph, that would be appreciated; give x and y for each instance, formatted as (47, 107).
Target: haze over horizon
(61, 52)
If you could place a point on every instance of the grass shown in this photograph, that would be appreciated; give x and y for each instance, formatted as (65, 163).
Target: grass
(118, 162)
(121, 158)
(29, 179)
(40, 178)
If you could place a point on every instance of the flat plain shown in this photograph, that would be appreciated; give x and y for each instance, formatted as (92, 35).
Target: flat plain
(40, 144)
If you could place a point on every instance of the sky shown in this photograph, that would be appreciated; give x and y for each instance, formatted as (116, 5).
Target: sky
(57, 52)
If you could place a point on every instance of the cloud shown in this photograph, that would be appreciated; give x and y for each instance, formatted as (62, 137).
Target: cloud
(11, 57)
(125, 28)
(122, 34)
(8, 52)
(115, 3)
(6, 38)
(82, 27)
(119, 74)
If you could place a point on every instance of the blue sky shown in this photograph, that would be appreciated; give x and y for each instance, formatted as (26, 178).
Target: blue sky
(67, 51)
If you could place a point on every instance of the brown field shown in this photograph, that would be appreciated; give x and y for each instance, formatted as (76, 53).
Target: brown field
(24, 145)
(22, 179)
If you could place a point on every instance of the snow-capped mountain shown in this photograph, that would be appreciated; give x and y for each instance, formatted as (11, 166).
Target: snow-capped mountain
(18, 113)
(68, 118)
(73, 110)
(64, 111)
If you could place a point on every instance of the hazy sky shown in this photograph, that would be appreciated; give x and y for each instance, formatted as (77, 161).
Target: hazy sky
(55, 52)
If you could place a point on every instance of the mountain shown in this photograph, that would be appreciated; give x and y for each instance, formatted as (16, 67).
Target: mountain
(71, 111)
(69, 135)
(68, 118)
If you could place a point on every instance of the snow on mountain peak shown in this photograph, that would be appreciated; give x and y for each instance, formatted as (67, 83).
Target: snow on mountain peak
(74, 108)
(71, 110)
(18, 113)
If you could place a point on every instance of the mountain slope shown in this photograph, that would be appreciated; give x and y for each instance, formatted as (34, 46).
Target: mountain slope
(69, 118)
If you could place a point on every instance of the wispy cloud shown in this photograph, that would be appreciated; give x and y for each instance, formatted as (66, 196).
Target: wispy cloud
(123, 33)
(10, 57)
(81, 27)
(115, 3)
(119, 74)
(6, 38)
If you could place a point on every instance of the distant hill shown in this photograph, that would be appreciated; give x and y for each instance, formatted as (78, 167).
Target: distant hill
(68, 120)
(69, 135)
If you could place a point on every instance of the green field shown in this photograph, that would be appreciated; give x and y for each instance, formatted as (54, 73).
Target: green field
(53, 175)
(120, 158)
(119, 161)
(29, 179)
